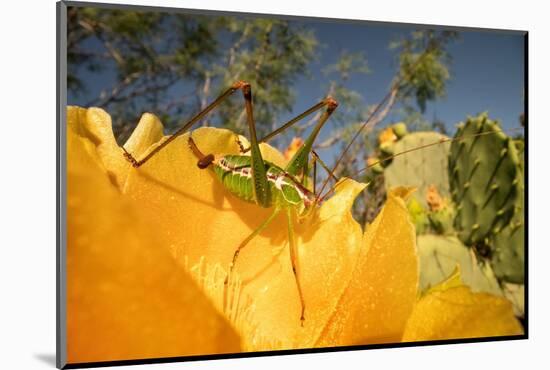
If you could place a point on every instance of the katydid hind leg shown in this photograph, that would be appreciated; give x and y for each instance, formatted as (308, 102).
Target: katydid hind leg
(295, 264)
(245, 242)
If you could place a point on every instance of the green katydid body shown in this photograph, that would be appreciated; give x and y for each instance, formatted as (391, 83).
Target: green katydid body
(235, 173)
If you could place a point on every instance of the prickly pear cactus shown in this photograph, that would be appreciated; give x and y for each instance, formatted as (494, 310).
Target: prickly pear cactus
(508, 243)
(420, 168)
(374, 164)
(484, 179)
(419, 216)
(439, 255)
(441, 221)
(441, 212)
(515, 294)
(507, 258)
(400, 129)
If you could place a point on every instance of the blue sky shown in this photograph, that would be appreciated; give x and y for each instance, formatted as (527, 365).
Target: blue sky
(487, 72)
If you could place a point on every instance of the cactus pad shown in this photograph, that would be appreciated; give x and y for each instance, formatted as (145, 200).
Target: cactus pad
(439, 255)
(484, 179)
(508, 244)
(421, 168)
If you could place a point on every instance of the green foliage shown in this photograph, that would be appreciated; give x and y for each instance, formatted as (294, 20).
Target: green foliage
(439, 256)
(420, 168)
(425, 77)
(347, 66)
(270, 54)
(154, 54)
(484, 179)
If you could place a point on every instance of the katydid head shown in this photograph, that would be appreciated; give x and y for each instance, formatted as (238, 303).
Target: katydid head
(205, 161)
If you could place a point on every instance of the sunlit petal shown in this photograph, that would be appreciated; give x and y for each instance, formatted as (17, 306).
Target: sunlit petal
(126, 296)
(451, 310)
(381, 293)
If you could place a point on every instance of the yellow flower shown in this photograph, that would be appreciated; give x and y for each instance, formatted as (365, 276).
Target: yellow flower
(434, 199)
(293, 147)
(387, 136)
(148, 250)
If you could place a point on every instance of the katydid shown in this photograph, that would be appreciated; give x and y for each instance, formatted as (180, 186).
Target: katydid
(254, 180)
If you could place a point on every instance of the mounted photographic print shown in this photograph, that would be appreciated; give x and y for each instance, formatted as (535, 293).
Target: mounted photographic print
(236, 184)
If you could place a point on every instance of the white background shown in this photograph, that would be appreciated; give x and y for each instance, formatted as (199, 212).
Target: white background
(27, 182)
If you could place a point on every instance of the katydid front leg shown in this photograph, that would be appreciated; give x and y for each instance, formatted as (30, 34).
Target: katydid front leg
(259, 175)
(299, 162)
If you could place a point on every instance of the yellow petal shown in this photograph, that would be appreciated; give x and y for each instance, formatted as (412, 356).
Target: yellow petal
(451, 310)
(454, 280)
(381, 293)
(202, 220)
(147, 132)
(126, 296)
(293, 147)
(94, 125)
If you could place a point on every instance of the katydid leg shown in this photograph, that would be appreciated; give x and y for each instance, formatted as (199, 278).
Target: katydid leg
(245, 242)
(261, 189)
(323, 164)
(137, 163)
(299, 162)
(327, 101)
(294, 261)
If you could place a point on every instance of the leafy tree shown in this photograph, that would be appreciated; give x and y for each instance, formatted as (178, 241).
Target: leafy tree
(423, 60)
(176, 64)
